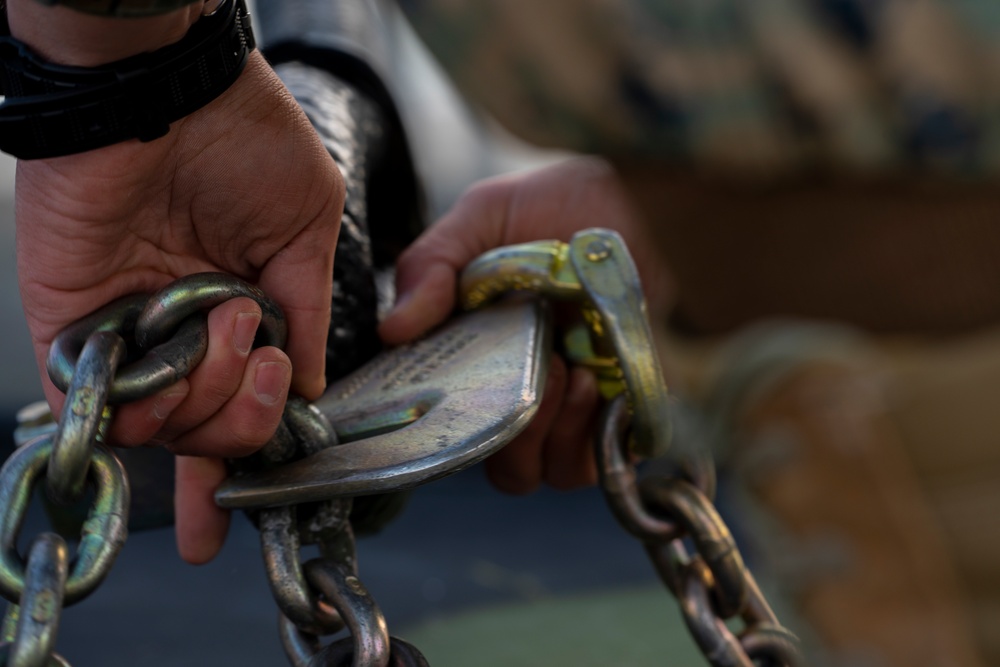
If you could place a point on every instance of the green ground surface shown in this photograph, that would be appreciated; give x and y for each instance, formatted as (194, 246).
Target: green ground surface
(627, 628)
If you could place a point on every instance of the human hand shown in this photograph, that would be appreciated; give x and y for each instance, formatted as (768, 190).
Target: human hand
(550, 203)
(242, 186)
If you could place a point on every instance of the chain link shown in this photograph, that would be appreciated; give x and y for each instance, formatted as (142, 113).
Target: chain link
(168, 309)
(305, 650)
(156, 368)
(40, 607)
(341, 586)
(712, 584)
(170, 331)
(341, 654)
(172, 336)
(84, 416)
(324, 596)
(280, 544)
(103, 532)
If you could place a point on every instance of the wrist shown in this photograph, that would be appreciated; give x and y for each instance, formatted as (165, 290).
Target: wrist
(68, 37)
(52, 109)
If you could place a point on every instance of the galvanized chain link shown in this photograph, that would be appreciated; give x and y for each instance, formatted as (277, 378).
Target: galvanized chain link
(280, 544)
(595, 271)
(103, 532)
(40, 587)
(85, 417)
(172, 336)
(324, 595)
(306, 651)
(712, 584)
(34, 621)
(90, 362)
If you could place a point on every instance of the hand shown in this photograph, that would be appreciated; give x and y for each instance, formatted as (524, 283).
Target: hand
(551, 203)
(242, 186)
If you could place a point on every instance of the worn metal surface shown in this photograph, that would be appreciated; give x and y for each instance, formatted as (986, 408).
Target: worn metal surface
(103, 532)
(356, 606)
(711, 584)
(418, 412)
(84, 416)
(159, 368)
(341, 654)
(164, 312)
(595, 270)
(280, 543)
(408, 417)
(40, 607)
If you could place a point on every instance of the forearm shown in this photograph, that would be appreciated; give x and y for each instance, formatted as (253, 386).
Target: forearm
(63, 35)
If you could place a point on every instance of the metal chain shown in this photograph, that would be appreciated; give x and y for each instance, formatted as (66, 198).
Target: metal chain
(103, 532)
(34, 621)
(172, 337)
(712, 584)
(40, 587)
(87, 361)
(595, 271)
(324, 596)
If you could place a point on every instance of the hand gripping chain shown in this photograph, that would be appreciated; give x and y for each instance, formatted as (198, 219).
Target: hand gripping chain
(391, 425)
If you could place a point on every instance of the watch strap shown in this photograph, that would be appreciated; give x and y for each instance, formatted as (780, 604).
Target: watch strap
(51, 110)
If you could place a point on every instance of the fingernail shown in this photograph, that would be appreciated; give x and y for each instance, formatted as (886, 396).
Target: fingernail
(244, 331)
(167, 403)
(270, 381)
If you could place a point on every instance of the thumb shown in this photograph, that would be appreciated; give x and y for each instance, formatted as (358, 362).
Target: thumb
(427, 272)
(423, 303)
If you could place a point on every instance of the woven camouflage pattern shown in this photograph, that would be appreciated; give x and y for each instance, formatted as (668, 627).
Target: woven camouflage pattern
(765, 85)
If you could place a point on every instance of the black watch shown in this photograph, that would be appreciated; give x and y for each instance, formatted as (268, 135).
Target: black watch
(51, 110)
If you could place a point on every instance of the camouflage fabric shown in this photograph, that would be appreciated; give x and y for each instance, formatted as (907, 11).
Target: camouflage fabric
(767, 85)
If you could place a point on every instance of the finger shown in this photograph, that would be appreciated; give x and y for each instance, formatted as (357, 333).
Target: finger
(201, 525)
(517, 468)
(140, 422)
(134, 423)
(568, 455)
(416, 312)
(251, 415)
(300, 280)
(426, 272)
(231, 329)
